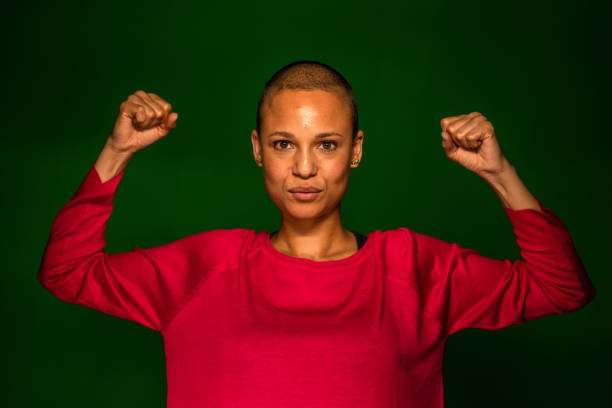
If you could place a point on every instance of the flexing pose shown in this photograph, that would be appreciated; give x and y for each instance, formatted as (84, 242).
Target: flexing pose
(314, 314)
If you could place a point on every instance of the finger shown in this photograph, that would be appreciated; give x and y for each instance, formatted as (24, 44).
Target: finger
(448, 120)
(165, 105)
(150, 118)
(449, 146)
(473, 131)
(170, 122)
(456, 124)
(134, 111)
(148, 110)
(464, 127)
(460, 127)
(159, 113)
(451, 126)
(473, 139)
(451, 123)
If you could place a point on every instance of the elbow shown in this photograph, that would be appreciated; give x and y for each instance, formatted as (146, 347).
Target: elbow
(47, 279)
(588, 294)
(44, 277)
(578, 298)
(55, 282)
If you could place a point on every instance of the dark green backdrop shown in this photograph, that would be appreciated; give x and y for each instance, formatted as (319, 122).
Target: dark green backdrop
(538, 71)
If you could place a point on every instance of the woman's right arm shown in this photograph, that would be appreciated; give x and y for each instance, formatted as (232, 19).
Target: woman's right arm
(147, 286)
(142, 285)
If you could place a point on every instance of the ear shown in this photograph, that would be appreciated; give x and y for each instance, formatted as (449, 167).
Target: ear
(257, 149)
(357, 146)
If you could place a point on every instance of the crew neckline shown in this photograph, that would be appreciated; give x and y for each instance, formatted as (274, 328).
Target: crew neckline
(349, 260)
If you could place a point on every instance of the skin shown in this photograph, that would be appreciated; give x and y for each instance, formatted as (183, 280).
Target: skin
(470, 141)
(311, 230)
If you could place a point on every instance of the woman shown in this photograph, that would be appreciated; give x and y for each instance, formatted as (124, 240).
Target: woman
(315, 314)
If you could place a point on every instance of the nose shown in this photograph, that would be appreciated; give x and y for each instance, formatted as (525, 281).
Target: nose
(305, 164)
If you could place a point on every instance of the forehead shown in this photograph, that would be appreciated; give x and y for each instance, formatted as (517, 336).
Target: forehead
(309, 107)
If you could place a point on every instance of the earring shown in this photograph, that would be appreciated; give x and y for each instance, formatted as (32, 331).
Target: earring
(354, 162)
(258, 160)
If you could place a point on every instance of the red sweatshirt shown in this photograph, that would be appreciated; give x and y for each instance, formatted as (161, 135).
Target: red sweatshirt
(245, 325)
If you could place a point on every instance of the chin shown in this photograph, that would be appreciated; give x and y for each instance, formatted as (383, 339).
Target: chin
(304, 211)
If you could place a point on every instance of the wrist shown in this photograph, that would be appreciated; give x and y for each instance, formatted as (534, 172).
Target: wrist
(116, 149)
(504, 172)
(111, 161)
(511, 190)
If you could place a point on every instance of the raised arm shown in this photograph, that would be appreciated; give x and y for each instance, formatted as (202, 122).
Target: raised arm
(465, 289)
(143, 285)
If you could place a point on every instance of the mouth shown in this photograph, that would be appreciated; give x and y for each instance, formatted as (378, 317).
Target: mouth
(305, 195)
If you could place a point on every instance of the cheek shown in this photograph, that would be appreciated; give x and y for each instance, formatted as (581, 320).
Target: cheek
(337, 172)
(274, 172)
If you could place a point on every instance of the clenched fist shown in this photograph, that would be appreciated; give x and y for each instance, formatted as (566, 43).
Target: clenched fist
(143, 119)
(470, 141)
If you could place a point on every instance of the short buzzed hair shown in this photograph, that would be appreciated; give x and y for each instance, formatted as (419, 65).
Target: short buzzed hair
(308, 75)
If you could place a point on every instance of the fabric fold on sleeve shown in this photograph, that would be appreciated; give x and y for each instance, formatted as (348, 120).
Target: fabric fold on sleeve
(146, 286)
(474, 291)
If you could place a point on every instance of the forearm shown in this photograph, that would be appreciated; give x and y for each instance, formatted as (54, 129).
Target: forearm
(511, 190)
(111, 162)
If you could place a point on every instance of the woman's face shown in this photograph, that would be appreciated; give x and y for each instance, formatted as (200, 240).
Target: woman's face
(306, 142)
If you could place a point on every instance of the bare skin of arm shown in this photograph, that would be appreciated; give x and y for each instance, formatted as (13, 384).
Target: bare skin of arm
(111, 162)
(511, 190)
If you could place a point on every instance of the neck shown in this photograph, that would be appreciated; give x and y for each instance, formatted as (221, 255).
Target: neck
(323, 241)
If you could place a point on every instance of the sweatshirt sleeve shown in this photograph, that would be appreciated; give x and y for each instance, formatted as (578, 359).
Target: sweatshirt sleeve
(147, 286)
(468, 290)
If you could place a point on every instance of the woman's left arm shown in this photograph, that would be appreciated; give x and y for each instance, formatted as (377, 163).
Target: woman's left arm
(489, 293)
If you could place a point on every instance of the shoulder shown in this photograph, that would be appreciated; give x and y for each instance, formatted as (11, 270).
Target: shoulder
(206, 249)
(221, 243)
(407, 252)
(403, 241)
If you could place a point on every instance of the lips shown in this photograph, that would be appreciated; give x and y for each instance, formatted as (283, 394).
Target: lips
(305, 193)
(304, 190)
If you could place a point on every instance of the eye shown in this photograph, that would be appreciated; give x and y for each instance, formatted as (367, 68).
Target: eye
(280, 141)
(329, 145)
(326, 142)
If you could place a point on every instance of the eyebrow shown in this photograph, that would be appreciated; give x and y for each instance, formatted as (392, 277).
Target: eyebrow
(291, 136)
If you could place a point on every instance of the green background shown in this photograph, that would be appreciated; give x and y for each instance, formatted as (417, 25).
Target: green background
(539, 71)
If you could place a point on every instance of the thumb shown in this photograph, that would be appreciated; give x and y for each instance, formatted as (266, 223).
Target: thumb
(447, 144)
(170, 122)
